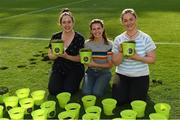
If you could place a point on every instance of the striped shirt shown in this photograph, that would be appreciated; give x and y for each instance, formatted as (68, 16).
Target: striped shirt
(133, 68)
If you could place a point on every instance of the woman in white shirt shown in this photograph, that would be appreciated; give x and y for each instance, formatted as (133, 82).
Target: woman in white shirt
(132, 73)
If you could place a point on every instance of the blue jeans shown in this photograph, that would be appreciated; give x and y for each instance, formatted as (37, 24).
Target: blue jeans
(96, 82)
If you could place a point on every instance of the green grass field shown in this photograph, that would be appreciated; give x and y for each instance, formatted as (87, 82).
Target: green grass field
(22, 22)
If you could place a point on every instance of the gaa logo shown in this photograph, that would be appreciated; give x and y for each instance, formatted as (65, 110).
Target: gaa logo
(85, 59)
(130, 50)
(57, 50)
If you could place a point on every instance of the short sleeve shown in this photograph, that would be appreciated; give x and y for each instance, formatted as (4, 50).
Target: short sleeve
(149, 45)
(116, 45)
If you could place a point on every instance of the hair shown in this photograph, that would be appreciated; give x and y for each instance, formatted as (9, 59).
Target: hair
(128, 10)
(102, 25)
(65, 12)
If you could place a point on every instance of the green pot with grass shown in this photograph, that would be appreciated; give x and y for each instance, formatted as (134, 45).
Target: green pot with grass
(163, 108)
(88, 100)
(139, 106)
(85, 55)
(16, 113)
(4, 92)
(50, 107)
(57, 46)
(74, 107)
(38, 96)
(27, 104)
(128, 48)
(128, 114)
(23, 93)
(63, 98)
(11, 102)
(157, 116)
(109, 104)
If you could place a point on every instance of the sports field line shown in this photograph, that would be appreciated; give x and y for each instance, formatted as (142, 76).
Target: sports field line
(41, 10)
(33, 38)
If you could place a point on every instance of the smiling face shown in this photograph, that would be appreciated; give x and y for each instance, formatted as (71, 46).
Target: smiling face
(97, 30)
(67, 23)
(129, 21)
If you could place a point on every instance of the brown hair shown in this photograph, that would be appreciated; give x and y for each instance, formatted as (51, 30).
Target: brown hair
(64, 12)
(128, 10)
(102, 25)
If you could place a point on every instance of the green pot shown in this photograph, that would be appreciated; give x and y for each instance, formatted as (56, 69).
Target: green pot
(90, 116)
(128, 114)
(66, 115)
(38, 96)
(1, 111)
(57, 46)
(163, 108)
(157, 116)
(16, 113)
(23, 93)
(4, 92)
(128, 48)
(63, 98)
(27, 104)
(139, 106)
(109, 104)
(95, 110)
(50, 107)
(11, 102)
(39, 114)
(74, 107)
(88, 100)
(85, 55)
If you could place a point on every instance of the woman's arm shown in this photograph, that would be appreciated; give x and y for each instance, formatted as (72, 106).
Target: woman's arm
(70, 57)
(51, 55)
(105, 65)
(149, 58)
(117, 58)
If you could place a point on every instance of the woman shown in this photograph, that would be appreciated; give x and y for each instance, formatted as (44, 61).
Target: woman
(132, 73)
(98, 72)
(67, 71)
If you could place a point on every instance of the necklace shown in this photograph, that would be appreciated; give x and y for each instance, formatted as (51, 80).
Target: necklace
(133, 35)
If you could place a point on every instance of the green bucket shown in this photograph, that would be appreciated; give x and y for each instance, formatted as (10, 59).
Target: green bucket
(157, 116)
(74, 107)
(90, 116)
(4, 92)
(88, 100)
(117, 119)
(95, 110)
(1, 111)
(128, 48)
(139, 106)
(163, 108)
(128, 114)
(109, 104)
(38, 96)
(16, 113)
(50, 107)
(23, 93)
(57, 46)
(66, 115)
(27, 104)
(11, 102)
(63, 98)
(85, 55)
(39, 114)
